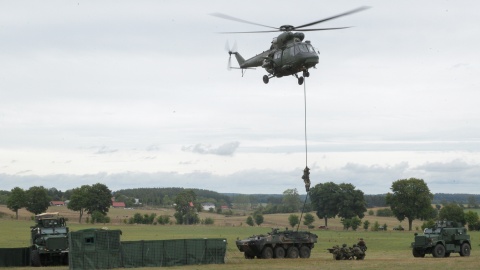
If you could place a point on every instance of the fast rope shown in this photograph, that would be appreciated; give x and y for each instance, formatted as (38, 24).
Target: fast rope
(306, 171)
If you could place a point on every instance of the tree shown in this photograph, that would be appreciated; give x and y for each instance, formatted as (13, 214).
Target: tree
(293, 220)
(472, 219)
(16, 200)
(78, 200)
(186, 213)
(325, 199)
(366, 224)
(352, 202)
(250, 221)
(291, 200)
(308, 220)
(99, 199)
(37, 200)
(258, 219)
(410, 199)
(452, 212)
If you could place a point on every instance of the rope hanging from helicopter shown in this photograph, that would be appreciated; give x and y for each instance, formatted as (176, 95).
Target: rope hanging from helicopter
(306, 171)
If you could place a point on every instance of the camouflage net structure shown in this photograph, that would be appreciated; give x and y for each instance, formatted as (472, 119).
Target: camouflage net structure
(102, 249)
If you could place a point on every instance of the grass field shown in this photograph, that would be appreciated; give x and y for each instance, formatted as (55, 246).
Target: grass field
(386, 249)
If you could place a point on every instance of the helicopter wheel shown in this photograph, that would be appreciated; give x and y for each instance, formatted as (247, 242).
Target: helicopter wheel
(300, 80)
(265, 79)
(306, 73)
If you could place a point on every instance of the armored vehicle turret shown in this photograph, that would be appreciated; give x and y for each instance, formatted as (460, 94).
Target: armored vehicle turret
(444, 238)
(278, 244)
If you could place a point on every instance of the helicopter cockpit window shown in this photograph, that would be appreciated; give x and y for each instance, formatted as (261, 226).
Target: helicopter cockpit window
(310, 48)
(300, 48)
(277, 55)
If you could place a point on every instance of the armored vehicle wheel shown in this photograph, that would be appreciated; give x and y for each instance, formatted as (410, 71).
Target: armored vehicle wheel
(249, 256)
(279, 252)
(35, 258)
(304, 252)
(292, 252)
(265, 79)
(418, 254)
(465, 249)
(438, 251)
(267, 253)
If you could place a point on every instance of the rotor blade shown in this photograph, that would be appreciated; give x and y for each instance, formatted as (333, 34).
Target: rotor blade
(320, 29)
(227, 46)
(235, 47)
(224, 16)
(250, 32)
(334, 17)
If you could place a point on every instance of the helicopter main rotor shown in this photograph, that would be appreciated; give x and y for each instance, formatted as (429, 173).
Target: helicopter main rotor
(288, 28)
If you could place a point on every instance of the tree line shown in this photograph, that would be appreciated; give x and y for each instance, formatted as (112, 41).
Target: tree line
(94, 200)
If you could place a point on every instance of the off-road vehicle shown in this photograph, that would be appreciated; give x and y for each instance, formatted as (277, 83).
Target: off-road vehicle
(49, 240)
(444, 238)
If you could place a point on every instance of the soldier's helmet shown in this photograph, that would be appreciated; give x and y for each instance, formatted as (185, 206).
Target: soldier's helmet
(361, 239)
(344, 245)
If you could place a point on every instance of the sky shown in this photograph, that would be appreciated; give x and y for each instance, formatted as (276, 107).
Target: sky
(136, 94)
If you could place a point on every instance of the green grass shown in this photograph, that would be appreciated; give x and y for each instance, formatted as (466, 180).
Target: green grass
(386, 249)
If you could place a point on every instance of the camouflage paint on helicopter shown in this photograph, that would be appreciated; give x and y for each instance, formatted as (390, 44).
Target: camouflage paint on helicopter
(288, 53)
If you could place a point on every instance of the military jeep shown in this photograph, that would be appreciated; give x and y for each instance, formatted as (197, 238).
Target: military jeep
(278, 244)
(444, 238)
(49, 240)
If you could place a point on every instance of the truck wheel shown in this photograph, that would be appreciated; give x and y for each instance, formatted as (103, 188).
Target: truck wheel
(292, 252)
(418, 254)
(279, 252)
(438, 251)
(267, 253)
(304, 252)
(35, 258)
(465, 249)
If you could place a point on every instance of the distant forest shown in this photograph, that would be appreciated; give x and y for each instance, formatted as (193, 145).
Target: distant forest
(166, 196)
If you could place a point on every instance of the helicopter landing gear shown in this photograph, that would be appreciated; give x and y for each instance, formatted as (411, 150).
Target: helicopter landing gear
(300, 79)
(265, 79)
(306, 73)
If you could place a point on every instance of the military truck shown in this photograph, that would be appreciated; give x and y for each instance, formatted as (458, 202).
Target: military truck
(278, 244)
(444, 238)
(49, 240)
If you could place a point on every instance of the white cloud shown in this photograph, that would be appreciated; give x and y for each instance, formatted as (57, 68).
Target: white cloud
(145, 82)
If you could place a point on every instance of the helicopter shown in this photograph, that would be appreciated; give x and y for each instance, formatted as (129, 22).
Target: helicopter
(288, 54)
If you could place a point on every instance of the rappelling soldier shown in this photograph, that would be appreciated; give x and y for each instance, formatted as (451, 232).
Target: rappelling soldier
(306, 178)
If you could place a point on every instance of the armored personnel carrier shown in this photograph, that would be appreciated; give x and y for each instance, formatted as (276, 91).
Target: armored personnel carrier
(444, 238)
(278, 244)
(49, 240)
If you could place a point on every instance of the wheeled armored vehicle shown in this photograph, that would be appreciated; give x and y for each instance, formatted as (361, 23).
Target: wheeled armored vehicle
(278, 244)
(49, 240)
(444, 238)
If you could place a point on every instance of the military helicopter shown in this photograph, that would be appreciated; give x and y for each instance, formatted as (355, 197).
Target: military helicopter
(288, 53)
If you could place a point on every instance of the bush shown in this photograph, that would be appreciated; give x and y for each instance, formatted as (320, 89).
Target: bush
(163, 219)
(209, 221)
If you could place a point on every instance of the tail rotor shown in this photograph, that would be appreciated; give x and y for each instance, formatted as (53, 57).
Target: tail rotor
(230, 51)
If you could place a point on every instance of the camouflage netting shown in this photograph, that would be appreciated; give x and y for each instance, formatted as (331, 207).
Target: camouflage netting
(10, 257)
(102, 249)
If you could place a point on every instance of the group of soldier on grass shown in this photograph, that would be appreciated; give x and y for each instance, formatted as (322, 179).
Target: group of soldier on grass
(356, 252)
